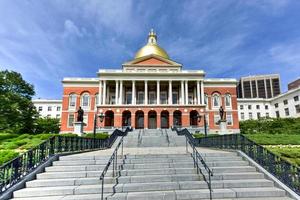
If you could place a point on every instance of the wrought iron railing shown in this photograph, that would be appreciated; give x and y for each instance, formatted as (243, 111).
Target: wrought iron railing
(15, 170)
(278, 167)
(197, 158)
(114, 160)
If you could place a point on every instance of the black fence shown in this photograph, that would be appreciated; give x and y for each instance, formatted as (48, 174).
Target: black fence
(13, 171)
(278, 167)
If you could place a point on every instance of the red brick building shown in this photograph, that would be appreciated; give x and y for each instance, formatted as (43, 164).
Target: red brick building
(151, 91)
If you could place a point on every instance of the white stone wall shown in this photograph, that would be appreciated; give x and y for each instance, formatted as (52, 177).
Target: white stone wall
(291, 103)
(44, 104)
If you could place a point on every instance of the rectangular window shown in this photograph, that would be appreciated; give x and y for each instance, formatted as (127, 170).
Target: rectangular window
(48, 116)
(175, 98)
(241, 107)
(229, 119)
(257, 107)
(267, 115)
(112, 99)
(242, 116)
(71, 120)
(296, 98)
(258, 115)
(57, 116)
(128, 98)
(287, 112)
(285, 102)
(276, 105)
(249, 107)
(277, 114)
(250, 115)
(254, 91)
(40, 108)
(152, 97)
(266, 107)
(163, 97)
(141, 98)
(72, 102)
(261, 89)
(297, 107)
(247, 89)
(49, 108)
(216, 118)
(190, 98)
(58, 108)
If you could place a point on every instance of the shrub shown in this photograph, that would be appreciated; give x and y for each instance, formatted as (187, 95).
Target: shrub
(5, 136)
(68, 135)
(7, 155)
(47, 125)
(98, 135)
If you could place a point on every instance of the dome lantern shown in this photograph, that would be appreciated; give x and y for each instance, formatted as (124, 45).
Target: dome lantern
(151, 48)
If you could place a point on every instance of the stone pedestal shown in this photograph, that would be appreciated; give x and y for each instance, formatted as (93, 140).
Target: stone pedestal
(223, 126)
(78, 128)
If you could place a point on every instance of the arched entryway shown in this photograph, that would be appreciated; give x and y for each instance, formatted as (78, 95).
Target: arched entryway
(164, 119)
(152, 120)
(109, 119)
(194, 118)
(139, 119)
(177, 118)
(126, 118)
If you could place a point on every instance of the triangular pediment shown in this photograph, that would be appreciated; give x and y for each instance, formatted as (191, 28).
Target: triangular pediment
(152, 60)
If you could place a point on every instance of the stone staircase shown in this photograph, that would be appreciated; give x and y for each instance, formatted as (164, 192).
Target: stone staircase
(169, 174)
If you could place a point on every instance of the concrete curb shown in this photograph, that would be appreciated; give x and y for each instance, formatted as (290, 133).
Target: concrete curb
(268, 175)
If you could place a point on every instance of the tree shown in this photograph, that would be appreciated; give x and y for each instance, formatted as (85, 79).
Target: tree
(47, 125)
(17, 112)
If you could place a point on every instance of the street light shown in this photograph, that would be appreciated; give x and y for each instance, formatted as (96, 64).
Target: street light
(101, 117)
(204, 119)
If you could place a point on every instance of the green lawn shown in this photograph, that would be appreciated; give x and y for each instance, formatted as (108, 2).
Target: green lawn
(11, 145)
(275, 139)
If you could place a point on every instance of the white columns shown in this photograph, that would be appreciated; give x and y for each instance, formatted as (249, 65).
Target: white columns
(198, 92)
(170, 93)
(146, 92)
(104, 92)
(158, 93)
(182, 93)
(100, 92)
(117, 93)
(133, 92)
(186, 93)
(202, 92)
(121, 92)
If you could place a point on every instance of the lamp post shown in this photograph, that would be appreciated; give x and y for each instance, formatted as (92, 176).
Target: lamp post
(204, 120)
(101, 116)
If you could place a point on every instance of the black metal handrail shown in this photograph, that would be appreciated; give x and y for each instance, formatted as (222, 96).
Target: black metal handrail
(197, 158)
(15, 170)
(113, 159)
(286, 172)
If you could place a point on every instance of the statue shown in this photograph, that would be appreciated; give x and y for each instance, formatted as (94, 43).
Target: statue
(221, 112)
(80, 115)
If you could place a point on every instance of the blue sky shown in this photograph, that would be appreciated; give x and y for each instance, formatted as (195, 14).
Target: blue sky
(48, 40)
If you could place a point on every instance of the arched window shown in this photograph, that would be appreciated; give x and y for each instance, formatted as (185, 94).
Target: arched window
(72, 101)
(228, 100)
(216, 100)
(96, 100)
(85, 101)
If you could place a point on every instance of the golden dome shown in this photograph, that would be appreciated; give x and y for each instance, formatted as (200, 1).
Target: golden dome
(151, 48)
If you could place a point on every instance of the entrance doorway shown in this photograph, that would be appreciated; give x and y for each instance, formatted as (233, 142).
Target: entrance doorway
(126, 118)
(194, 118)
(139, 119)
(152, 120)
(109, 119)
(177, 118)
(164, 120)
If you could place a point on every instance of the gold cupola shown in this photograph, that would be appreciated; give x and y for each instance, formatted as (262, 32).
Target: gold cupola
(151, 48)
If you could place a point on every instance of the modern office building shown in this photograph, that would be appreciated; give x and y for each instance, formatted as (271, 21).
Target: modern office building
(260, 86)
(150, 91)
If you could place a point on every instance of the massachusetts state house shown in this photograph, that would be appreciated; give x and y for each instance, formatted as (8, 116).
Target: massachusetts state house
(151, 91)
